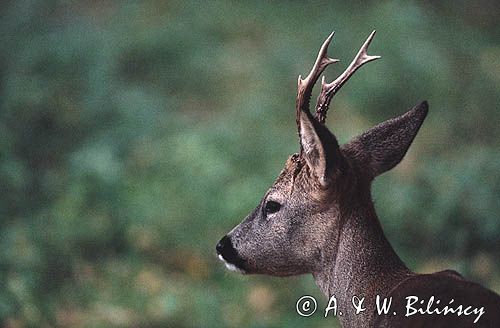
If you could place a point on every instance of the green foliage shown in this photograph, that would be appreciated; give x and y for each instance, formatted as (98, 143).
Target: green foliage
(133, 135)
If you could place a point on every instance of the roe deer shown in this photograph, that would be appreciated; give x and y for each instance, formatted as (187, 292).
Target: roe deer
(318, 217)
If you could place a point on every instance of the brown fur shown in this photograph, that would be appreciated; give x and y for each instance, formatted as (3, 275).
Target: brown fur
(329, 228)
(318, 217)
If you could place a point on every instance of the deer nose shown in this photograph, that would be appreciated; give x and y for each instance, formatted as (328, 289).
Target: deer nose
(223, 245)
(227, 253)
(226, 249)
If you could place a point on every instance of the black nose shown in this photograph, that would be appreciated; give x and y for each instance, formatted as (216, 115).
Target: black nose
(223, 245)
(226, 250)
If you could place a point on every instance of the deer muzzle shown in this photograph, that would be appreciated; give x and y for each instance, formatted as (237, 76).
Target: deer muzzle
(228, 254)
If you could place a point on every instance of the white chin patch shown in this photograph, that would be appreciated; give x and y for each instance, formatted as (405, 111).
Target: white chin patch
(230, 266)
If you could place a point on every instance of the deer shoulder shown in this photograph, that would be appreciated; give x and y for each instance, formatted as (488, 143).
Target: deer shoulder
(443, 299)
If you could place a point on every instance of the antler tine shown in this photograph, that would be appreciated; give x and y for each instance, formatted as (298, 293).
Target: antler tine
(305, 86)
(328, 90)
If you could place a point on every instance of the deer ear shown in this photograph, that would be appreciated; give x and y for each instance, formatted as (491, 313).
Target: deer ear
(384, 146)
(320, 148)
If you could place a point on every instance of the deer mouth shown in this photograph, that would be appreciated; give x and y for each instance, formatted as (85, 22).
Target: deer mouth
(231, 266)
(229, 255)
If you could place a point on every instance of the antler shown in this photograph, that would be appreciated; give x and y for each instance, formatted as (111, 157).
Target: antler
(306, 85)
(328, 90)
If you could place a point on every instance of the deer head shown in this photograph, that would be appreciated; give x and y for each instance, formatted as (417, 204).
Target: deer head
(300, 222)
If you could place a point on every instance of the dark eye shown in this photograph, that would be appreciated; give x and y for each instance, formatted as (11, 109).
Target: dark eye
(272, 207)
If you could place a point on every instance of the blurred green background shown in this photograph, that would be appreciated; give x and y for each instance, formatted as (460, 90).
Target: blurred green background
(134, 135)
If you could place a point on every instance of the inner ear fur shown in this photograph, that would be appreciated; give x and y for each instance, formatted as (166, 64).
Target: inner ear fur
(320, 148)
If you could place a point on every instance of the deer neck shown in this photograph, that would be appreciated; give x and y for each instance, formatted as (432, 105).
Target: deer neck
(359, 262)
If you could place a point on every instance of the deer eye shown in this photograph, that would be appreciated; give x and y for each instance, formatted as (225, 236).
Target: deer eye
(272, 207)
